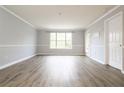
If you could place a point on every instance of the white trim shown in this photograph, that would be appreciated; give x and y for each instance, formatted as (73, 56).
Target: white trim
(116, 14)
(15, 62)
(122, 71)
(105, 43)
(99, 61)
(59, 54)
(48, 30)
(17, 16)
(123, 43)
(113, 9)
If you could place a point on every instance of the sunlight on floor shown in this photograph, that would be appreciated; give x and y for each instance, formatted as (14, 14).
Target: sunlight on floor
(61, 67)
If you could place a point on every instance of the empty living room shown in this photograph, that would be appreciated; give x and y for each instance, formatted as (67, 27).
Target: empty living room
(61, 46)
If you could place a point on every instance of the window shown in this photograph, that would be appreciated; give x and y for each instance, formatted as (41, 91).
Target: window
(60, 40)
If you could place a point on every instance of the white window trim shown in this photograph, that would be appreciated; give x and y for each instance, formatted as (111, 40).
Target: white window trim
(65, 40)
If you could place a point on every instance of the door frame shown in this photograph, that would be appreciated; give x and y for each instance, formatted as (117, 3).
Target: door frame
(106, 47)
(88, 37)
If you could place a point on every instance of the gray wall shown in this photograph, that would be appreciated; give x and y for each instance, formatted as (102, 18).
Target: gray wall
(17, 39)
(97, 43)
(44, 47)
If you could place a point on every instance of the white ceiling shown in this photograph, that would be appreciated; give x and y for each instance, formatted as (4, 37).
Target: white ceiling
(60, 17)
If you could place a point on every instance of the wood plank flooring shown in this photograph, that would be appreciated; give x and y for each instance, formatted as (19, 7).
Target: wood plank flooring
(60, 71)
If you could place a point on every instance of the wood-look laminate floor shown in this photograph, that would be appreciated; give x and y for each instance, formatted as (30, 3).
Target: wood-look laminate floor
(60, 71)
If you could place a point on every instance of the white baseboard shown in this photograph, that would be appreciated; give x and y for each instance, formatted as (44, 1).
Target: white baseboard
(122, 71)
(97, 60)
(15, 62)
(48, 54)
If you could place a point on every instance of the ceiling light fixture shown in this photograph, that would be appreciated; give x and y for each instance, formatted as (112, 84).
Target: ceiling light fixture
(60, 13)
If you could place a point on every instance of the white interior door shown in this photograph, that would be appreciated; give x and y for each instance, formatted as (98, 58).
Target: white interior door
(114, 25)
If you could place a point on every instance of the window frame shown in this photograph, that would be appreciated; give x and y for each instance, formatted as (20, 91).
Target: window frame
(65, 40)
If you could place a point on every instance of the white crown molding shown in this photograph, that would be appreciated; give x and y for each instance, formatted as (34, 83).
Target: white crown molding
(110, 11)
(61, 30)
(17, 16)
